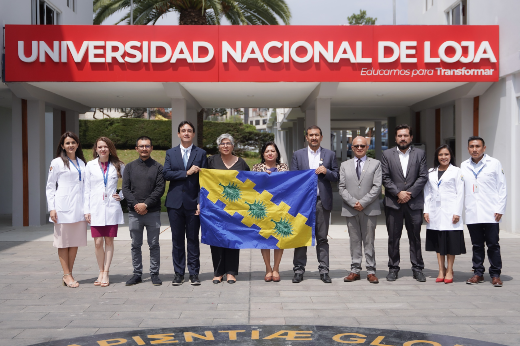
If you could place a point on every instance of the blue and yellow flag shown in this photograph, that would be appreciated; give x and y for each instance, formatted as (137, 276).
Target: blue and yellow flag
(256, 210)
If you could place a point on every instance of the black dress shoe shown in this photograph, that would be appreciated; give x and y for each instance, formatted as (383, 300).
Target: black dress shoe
(325, 278)
(155, 280)
(178, 280)
(392, 275)
(297, 278)
(194, 279)
(419, 276)
(136, 279)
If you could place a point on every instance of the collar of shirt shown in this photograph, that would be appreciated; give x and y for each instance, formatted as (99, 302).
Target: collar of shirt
(401, 153)
(186, 150)
(480, 163)
(312, 152)
(363, 159)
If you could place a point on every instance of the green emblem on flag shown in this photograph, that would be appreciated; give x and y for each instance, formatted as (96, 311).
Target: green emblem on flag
(231, 192)
(283, 228)
(257, 210)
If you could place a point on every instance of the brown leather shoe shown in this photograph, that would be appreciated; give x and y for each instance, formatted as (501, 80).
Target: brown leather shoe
(352, 277)
(496, 281)
(475, 279)
(372, 279)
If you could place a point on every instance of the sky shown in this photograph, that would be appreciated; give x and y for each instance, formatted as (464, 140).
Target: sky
(328, 12)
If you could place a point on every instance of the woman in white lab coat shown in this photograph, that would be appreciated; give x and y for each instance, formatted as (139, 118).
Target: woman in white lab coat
(443, 203)
(102, 207)
(64, 192)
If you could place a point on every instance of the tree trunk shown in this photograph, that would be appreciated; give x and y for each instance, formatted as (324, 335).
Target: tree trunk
(192, 17)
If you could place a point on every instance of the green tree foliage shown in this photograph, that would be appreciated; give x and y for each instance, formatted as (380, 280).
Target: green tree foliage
(361, 19)
(197, 12)
(244, 136)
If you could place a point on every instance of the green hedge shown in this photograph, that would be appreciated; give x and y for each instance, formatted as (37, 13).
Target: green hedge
(124, 132)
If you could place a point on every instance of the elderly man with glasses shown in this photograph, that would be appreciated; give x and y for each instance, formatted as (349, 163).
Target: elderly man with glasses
(360, 186)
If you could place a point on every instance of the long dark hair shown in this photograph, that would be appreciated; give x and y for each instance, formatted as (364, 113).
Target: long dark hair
(60, 151)
(112, 156)
(436, 162)
(264, 147)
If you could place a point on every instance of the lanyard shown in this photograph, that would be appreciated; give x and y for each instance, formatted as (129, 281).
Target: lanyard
(476, 174)
(439, 183)
(105, 177)
(78, 168)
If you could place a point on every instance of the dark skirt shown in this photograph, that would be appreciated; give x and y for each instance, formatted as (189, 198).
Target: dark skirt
(445, 242)
(225, 261)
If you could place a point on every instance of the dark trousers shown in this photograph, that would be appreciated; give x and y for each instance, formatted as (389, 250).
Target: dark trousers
(394, 225)
(136, 224)
(225, 261)
(185, 225)
(322, 243)
(486, 234)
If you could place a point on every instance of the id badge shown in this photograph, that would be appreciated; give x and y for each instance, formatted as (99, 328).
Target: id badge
(475, 188)
(438, 198)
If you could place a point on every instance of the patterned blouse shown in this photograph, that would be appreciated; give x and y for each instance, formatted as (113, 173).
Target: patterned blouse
(262, 167)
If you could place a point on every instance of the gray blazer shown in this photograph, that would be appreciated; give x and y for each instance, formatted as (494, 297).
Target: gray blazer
(300, 161)
(395, 182)
(366, 190)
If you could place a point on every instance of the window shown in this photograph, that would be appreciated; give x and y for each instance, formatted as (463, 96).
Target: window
(264, 122)
(72, 5)
(251, 122)
(257, 122)
(44, 13)
(457, 13)
(429, 4)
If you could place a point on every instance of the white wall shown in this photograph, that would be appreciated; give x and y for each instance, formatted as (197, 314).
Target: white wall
(6, 189)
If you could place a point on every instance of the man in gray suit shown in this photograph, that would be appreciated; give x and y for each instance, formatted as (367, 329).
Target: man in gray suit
(360, 187)
(323, 161)
(404, 174)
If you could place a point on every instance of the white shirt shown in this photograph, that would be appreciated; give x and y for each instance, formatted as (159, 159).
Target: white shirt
(314, 159)
(404, 159)
(186, 151)
(362, 163)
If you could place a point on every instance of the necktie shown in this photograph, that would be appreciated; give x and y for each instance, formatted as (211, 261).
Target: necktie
(185, 158)
(358, 168)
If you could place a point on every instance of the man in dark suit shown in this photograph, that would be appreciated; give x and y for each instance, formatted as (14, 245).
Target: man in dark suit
(323, 161)
(404, 174)
(181, 169)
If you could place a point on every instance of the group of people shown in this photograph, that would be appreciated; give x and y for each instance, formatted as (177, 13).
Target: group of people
(412, 192)
(81, 193)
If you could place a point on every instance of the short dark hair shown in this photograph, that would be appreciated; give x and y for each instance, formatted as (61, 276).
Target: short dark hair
(476, 138)
(313, 127)
(143, 138)
(185, 122)
(264, 148)
(436, 162)
(403, 127)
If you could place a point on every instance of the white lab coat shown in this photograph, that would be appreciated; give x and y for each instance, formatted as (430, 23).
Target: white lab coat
(67, 199)
(442, 201)
(103, 212)
(491, 197)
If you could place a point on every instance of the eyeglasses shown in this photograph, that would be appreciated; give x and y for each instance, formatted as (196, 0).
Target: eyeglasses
(144, 146)
(359, 146)
(226, 144)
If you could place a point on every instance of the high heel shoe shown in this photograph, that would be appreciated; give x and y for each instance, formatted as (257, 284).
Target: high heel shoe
(448, 281)
(97, 282)
(105, 283)
(72, 284)
(439, 280)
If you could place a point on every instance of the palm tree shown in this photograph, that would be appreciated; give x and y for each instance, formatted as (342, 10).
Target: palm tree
(197, 12)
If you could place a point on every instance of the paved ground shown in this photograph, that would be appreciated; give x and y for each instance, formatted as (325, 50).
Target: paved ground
(34, 307)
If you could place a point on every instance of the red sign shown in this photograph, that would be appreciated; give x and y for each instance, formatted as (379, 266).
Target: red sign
(252, 53)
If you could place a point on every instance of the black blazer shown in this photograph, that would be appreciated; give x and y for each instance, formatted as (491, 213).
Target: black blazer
(300, 161)
(395, 182)
(184, 190)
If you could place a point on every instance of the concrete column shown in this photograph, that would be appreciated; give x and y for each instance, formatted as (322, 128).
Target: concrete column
(323, 120)
(344, 145)
(191, 116)
(300, 133)
(392, 123)
(279, 139)
(72, 122)
(289, 144)
(56, 129)
(179, 113)
(338, 144)
(50, 149)
(377, 140)
(17, 162)
(37, 164)
(6, 169)
(463, 128)
(362, 131)
(310, 118)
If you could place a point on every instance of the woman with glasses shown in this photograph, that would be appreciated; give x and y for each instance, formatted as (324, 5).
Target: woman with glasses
(271, 163)
(64, 192)
(225, 261)
(443, 202)
(102, 208)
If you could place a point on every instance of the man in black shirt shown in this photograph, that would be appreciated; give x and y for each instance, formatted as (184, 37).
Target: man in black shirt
(143, 187)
